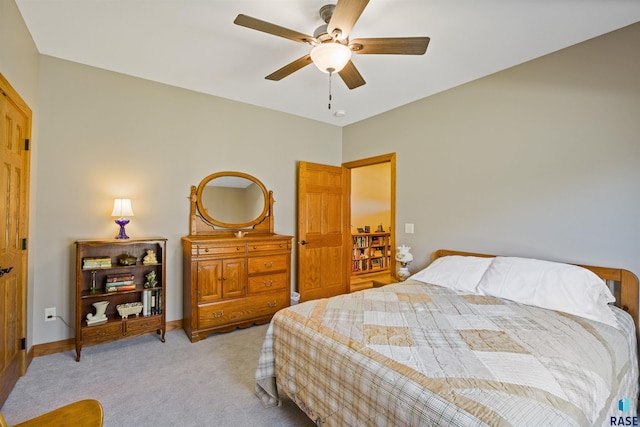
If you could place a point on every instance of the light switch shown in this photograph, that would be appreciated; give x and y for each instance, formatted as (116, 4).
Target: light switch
(408, 228)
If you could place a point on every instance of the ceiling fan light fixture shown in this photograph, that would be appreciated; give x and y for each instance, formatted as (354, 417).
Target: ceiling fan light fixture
(330, 57)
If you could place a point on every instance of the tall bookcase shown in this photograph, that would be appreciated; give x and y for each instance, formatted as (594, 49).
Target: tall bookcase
(97, 262)
(371, 253)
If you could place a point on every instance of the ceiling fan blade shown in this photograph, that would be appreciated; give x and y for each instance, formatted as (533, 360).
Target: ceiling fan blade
(390, 46)
(350, 76)
(290, 68)
(267, 27)
(345, 16)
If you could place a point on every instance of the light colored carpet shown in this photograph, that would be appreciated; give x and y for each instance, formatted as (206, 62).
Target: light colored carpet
(144, 382)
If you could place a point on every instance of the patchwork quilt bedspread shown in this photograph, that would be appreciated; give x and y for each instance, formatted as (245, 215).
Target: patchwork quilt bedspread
(419, 354)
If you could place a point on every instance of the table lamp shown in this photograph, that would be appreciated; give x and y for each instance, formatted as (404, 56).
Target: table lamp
(122, 209)
(404, 257)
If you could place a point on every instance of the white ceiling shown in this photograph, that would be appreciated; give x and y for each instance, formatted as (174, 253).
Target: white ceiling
(194, 44)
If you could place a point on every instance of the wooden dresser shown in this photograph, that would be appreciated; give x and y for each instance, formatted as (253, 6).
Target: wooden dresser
(236, 273)
(234, 282)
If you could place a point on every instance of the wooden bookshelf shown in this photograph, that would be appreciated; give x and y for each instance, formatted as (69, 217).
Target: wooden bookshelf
(370, 253)
(98, 259)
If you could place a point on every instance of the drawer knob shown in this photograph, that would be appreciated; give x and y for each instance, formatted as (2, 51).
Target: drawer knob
(206, 249)
(218, 313)
(269, 265)
(272, 304)
(268, 285)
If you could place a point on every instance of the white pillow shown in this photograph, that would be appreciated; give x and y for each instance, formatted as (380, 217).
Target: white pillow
(457, 272)
(552, 285)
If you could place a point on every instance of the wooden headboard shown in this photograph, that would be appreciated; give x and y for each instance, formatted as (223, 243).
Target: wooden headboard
(626, 298)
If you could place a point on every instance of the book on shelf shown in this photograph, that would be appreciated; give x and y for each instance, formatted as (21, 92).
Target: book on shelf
(122, 277)
(151, 302)
(359, 253)
(129, 287)
(96, 262)
(145, 302)
(360, 241)
(121, 283)
(359, 265)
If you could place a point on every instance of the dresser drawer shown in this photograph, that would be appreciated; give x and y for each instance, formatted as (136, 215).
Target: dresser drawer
(268, 283)
(219, 249)
(142, 324)
(99, 333)
(242, 309)
(268, 246)
(266, 264)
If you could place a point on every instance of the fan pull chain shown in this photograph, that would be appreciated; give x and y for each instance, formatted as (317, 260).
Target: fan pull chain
(330, 74)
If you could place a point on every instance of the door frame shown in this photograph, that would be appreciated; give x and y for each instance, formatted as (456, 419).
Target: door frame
(370, 161)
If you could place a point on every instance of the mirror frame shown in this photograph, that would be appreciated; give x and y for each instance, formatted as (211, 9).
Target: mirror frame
(203, 213)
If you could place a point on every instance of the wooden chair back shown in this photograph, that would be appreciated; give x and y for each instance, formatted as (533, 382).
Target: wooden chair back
(84, 413)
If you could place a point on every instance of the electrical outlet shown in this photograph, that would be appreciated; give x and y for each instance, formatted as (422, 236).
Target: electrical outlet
(49, 314)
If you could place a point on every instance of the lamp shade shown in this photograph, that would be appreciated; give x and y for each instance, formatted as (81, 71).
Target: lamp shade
(330, 57)
(122, 208)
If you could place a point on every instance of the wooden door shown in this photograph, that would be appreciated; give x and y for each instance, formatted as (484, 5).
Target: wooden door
(15, 129)
(322, 227)
(234, 281)
(209, 281)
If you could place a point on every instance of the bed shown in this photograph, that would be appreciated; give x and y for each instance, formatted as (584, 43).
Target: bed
(418, 353)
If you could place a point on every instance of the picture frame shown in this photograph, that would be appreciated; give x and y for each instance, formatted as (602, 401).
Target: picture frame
(360, 230)
(367, 229)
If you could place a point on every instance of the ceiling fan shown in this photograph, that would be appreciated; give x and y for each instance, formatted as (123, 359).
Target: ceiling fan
(332, 48)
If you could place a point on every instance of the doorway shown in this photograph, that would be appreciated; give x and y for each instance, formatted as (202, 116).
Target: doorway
(372, 209)
(324, 232)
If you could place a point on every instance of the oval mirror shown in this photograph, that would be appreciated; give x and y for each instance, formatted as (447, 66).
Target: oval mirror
(232, 200)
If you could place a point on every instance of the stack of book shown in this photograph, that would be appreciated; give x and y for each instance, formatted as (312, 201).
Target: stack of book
(96, 262)
(151, 302)
(120, 282)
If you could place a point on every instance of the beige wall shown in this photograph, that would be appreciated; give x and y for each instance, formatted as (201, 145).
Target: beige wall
(19, 64)
(18, 54)
(371, 197)
(539, 160)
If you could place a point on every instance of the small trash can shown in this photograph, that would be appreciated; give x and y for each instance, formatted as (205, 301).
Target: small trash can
(295, 298)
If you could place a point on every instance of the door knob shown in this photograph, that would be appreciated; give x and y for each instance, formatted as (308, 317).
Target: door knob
(304, 242)
(4, 271)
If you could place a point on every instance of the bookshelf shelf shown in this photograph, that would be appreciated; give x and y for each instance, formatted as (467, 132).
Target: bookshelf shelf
(370, 253)
(90, 284)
